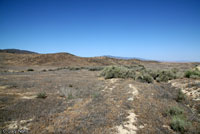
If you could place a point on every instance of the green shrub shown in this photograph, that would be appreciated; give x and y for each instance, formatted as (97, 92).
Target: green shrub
(70, 85)
(138, 73)
(136, 67)
(178, 121)
(74, 68)
(198, 108)
(70, 96)
(153, 74)
(192, 74)
(116, 72)
(42, 95)
(179, 124)
(164, 76)
(173, 111)
(30, 69)
(188, 74)
(145, 78)
(95, 68)
(180, 96)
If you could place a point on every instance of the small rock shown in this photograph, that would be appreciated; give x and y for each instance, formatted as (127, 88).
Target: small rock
(130, 99)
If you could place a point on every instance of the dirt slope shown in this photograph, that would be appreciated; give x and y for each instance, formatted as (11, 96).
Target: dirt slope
(57, 59)
(66, 59)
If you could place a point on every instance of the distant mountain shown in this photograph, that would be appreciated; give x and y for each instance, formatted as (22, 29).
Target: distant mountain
(16, 51)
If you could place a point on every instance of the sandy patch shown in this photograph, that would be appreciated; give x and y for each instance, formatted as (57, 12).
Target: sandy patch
(130, 99)
(101, 78)
(12, 125)
(114, 80)
(189, 91)
(128, 127)
(3, 87)
(111, 84)
(22, 124)
(28, 97)
(198, 67)
(134, 90)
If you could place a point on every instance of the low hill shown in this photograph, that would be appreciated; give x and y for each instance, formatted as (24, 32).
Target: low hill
(58, 59)
(67, 59)
(16, 51)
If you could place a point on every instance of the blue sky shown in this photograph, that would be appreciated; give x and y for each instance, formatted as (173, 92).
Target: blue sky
(166, 30)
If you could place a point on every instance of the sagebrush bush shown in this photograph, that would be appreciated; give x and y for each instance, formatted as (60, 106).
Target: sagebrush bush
(116, 72)
(173, 111)
(180, 96)
(153, 74)
(30, 69)
(179, 124)
(138, 73)
(145, 78)
(74, 68)
(178, 121)
(136, 67)
(192, 74)
(95, 68)
(164, 76)
(42, 95)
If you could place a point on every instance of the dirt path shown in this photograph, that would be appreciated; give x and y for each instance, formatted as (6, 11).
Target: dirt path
(128, 127)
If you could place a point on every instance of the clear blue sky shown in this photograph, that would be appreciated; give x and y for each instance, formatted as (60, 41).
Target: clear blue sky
(166, 30)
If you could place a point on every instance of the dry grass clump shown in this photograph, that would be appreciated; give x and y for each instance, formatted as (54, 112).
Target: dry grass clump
(68, 93)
